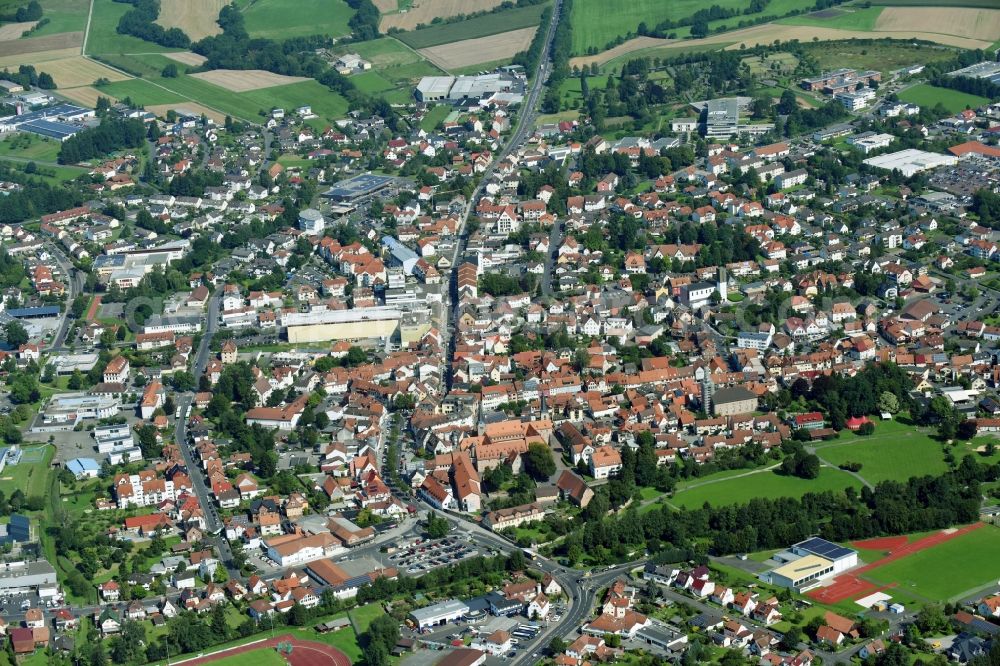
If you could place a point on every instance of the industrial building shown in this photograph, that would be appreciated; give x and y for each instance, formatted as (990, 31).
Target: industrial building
(440, 613)
(911, 161)
(456, 89)
(355, 324)
(809, 562)
(56, 122)
(18, 577)
(70, 408)
(358, 187)
(989, 71)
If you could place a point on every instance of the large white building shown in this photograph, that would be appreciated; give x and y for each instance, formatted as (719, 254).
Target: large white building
(809, 562)
(440, 613)
(911, 161)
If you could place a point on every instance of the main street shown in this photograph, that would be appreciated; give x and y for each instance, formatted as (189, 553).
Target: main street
(74, 288)
(525, 124)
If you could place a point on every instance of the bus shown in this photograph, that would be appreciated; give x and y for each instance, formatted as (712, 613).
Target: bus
(530, 554)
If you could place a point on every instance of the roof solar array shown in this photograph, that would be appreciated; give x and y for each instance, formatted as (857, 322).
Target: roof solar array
(824, 548)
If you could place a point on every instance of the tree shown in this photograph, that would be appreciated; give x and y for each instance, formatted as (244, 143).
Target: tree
(16, 334)
(169, 72)
(888, 402)
(436, 526)
(538, 462)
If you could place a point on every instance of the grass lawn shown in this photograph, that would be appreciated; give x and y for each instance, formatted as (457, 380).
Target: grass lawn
(104, 38)
(765, 484)
(362, 616)
(953, 100)
(30, 147)
(932, 574)
(848, 18)
(50, 172)
(894, 452)
(263, 657)
(988, 4)
(372, 82)
(434, 117)
(481, 26)
(281, 19)
(31, 478)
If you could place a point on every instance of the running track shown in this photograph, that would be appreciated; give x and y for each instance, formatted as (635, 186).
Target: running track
(850, 585)
(304, 653)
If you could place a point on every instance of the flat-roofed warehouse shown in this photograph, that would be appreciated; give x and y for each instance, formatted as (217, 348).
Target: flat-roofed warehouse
(360, 186)
(434, 88)
(911, 161)
(440, 613)
(356, 324)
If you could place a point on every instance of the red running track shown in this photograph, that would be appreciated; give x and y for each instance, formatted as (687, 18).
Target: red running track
(850, 586)
(304, 653)
(884, 543)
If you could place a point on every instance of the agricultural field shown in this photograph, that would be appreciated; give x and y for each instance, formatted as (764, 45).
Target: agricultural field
(391, 61)
(85, 95)
(187, 58)
(11, 31)
(104, 38)
(468, 52)
(931, 574)
(895, 452)
(244, 80)
(40, 49)
(762, 484)
(846, 18)
(79, 71)
(281, 19)
(953, 100)
(425, 11)
(482, 26)
(63, 15)
(251, 105)
(961, 21)
(936, 3)
(197, 18)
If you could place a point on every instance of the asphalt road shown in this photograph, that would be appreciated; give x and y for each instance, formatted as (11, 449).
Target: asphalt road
(74, 287)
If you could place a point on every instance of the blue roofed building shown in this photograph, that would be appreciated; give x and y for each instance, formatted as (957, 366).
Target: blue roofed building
(84, 468)
(400, 255)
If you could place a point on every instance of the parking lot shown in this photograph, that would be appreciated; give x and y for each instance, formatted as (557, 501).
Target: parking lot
(423, 556)
(524, 633)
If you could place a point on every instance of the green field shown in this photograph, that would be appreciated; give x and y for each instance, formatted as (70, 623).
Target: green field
(847, 18)
(883, 56)
(932, 574)
(281, 19)
(246, 105)
(31, 478)
(372, 83)
(895, 452)
(953, 100)
(988, 4)
(63, 16)
(481, 26)
(764, 484)
(264, 657)
(435, 115)
(103, 37)
(365, 615)
(30, 147)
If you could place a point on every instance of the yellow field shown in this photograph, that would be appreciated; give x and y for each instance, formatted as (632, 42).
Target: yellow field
(243, 80)
(768, 33)
(385, 6)
(186, 58)
(482, 49)
(79, 71)
(68, 42)
(424, 11)
(85, 95)
(189, 107)
(14, 30)
(960, 21)
(195, 17)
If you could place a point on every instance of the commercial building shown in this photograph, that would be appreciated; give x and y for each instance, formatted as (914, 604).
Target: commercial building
(400, 255)
(433, 88)
(292, 549)
(358, 187)
(438, 614)
(355, 324)
(463, 657)
(464, 88)
(867, 142)
(17, 577)
(57, 122)
(911, 161)
(989, 71)
(311, 221)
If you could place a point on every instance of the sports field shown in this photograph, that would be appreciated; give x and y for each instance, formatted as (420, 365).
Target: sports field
(281, 19)
(948, 571)
(31, 475)
(304, 653)
(895, 452)
(762, 484)
(482, 26)
(953, 100)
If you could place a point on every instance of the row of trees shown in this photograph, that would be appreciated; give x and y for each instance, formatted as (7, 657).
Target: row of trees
(29, 12)
(28, 77)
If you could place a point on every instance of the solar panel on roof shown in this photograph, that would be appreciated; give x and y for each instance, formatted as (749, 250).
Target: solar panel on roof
(824, 548)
